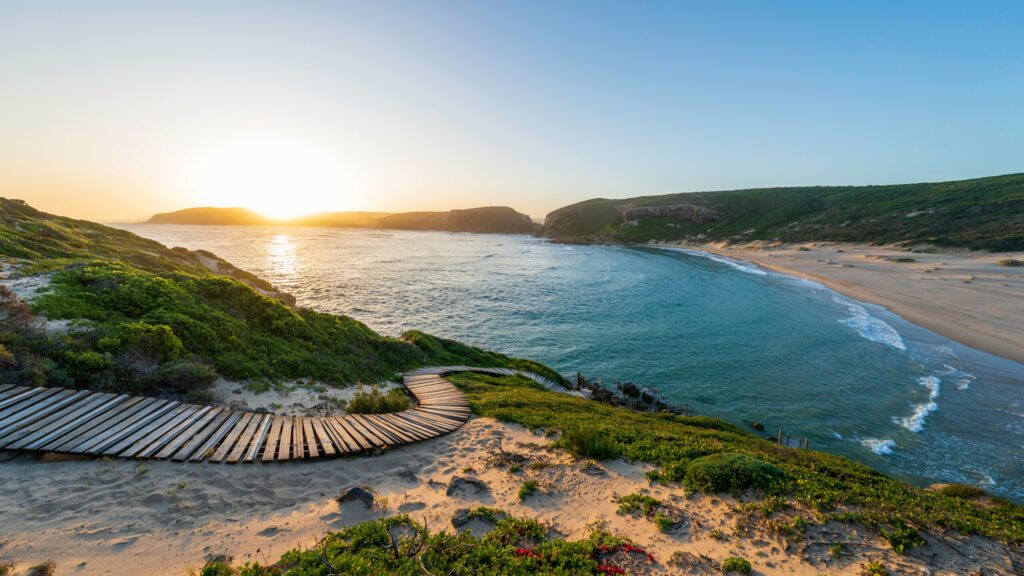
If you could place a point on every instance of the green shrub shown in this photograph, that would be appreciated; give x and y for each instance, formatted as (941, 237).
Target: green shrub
(902, 538)
(875, 568)
(47, 568)
(663, 521)
(1013, 263)
(585, 442)
(217, 568)
(736, 564)
(730, 471)
(964, 491)
(373, 402)
(638, 502)
(183, 377)
(157, 342)
(527, 489)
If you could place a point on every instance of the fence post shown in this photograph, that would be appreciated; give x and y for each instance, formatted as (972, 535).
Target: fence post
(780, 437)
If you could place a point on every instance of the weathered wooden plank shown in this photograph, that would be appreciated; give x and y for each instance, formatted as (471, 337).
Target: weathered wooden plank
(147, 414)
(30, 402)
(56, 436)
(152, 442)
(311, 447)
(287, 449)
(378, 440)
(409, 417)
(101, 422)
(340, 446)
(357, 436)
(257, 442)
(422, 432)
(4, 388)
(145, 431)
(232, 437)
(20, 439)
(386, 437)
(40, 411)
(206, 449)
(273, 438)
(342, 435)
(245, 438)
(22, 395)
(187, 433)
(403, 434)
(192, 446)
(326, 442)
(446, 423)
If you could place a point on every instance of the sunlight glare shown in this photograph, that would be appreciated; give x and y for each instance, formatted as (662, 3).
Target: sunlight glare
(277, 178)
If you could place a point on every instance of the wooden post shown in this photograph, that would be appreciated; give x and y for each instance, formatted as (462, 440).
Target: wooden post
(780, 436)
(686, 409)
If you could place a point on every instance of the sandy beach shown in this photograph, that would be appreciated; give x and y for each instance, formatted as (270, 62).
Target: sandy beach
(965, 296)
(114, 517)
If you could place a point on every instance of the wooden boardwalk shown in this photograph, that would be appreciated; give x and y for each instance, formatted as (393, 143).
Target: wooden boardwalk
(100, 424)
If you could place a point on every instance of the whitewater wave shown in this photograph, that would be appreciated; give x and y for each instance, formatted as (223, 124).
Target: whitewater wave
(868, 326)
(878, 446)
(963, 379)
(915, 422)
(737, 264)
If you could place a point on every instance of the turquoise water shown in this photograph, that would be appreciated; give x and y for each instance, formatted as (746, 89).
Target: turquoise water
(728, 338)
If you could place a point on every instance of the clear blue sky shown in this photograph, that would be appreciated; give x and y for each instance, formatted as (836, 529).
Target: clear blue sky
(116, 110)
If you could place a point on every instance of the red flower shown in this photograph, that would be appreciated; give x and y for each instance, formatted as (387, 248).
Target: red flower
(638, 550)
(526, 552)
(609, 569)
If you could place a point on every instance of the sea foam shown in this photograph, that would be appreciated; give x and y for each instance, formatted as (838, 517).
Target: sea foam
(738, 265)
(915, 422)
(880, 447)
(868, 326)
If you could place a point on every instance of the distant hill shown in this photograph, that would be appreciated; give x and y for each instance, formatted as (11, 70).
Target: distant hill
(489, 219)
(212, 216)
(983, 214)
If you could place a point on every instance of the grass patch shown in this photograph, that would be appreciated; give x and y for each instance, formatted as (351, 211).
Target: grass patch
(584, 442)
(875, 568)
(965, 491)
(736, 565)
(903, 538)
(1011, 262)
(527, 489)
(638, 503)
(374, 402)
(731, 471)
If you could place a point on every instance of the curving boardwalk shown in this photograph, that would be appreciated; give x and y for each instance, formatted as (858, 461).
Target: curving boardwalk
(118, 425)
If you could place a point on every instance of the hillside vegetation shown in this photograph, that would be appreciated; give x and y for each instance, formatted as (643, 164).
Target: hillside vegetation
(148, 319)
(484, 220)
(983, 214)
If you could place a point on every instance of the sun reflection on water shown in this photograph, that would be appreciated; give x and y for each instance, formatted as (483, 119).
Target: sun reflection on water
(281, 256)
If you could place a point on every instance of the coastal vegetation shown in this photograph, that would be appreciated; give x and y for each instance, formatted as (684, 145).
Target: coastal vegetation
(982, 214)
(375, 402)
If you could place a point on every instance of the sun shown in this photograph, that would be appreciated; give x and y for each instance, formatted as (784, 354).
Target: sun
(278, 178)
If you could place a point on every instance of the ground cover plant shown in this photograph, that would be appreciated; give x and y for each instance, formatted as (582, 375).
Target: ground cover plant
(831, 486)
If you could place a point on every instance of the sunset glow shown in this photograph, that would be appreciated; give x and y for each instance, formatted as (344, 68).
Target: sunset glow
(278, 178)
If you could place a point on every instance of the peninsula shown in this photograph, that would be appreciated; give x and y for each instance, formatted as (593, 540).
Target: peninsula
(483, 220)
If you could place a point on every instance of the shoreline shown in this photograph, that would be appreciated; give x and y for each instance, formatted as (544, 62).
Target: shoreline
(965, 297)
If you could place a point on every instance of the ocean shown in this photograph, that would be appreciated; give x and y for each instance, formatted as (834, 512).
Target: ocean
(724, 337)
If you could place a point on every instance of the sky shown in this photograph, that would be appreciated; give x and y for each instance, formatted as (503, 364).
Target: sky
(113, 111)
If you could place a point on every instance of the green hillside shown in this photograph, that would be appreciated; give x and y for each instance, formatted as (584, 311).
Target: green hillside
(983, 214)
